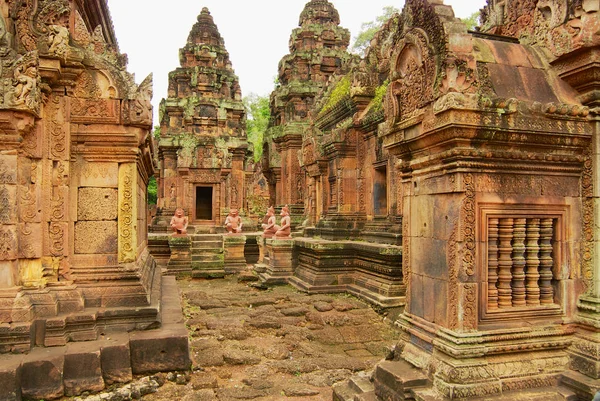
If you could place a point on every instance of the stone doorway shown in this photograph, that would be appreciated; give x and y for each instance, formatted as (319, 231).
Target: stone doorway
(380, 191)
(204, 203)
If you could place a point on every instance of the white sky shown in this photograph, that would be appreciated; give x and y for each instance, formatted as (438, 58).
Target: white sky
(256, 33)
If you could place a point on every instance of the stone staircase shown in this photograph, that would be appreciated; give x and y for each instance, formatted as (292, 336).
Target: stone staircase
(399, 381)
(208, 259)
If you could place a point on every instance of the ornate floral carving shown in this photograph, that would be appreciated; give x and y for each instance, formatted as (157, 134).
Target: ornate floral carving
(126, 214)
(469, 306)
(587, 268)
(86, 87)
(56, 129)
(468, 225)
(7, 244)
(81, 34)
(56, 233)
(21, 12)
(100, 110)
(451, 255)
(5, 205)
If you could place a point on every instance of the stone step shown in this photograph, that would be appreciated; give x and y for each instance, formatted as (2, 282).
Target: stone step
(207, 244)
(398, 377)
(207, 258)
(88, 364)
(357, 385)
(579, 383)
(370, 396)
(198, 251)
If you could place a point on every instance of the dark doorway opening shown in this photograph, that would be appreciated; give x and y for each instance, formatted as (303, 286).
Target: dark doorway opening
(380, 192)
(204, 203)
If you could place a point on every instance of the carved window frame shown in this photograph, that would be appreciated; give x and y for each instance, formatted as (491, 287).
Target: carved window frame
(560, 214)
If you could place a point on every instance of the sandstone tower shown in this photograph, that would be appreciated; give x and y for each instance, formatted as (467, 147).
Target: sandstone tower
(203, 145)
(317, 49)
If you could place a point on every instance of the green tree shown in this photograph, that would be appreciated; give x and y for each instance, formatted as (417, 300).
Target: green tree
(156, 132)
(258, 114)
(368, 30)
(152, 191)
(472, 21)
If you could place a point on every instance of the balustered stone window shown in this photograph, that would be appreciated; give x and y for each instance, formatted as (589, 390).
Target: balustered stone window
(522, 257)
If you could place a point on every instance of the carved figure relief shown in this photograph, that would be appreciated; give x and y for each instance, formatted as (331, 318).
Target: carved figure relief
(58, 40)
(25, 91)
(141, 108)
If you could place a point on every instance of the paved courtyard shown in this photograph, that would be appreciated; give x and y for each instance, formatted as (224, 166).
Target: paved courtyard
(273, 344)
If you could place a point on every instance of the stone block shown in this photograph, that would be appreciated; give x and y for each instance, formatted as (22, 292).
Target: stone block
(103, 175)
(42, 374)
(30, 240)
(159, 350)
(8, 169)
(96, 237)
(10, 377)
(8, 239)
(7, 274)
(8, 199)
(97, 204)
(116, 359)
(82, 369)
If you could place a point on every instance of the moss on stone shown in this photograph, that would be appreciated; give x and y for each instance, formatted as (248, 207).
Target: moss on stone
(340, 91)
(377, 102)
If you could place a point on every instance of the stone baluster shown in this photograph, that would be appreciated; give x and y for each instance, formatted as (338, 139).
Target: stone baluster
(518, 266)
(493, 263)
(546, 262)
(505, 234)
(533, 262)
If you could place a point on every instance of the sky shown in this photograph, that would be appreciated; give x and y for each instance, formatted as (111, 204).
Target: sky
(256, 33)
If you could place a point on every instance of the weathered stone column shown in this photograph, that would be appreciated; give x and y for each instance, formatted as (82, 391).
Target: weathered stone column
(281, 261)
(180, 262)
(233, 248)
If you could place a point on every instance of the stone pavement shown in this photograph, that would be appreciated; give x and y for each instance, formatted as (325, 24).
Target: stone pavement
(274, 344)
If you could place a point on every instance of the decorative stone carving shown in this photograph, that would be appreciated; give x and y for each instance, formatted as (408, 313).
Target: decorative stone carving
(269, 227)
(179, 222)
(283, 230)
(58, 40)
(127, 219)
(24, 92)
(233, 222)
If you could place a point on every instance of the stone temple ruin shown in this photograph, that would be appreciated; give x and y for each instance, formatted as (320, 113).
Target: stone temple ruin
(448, 175)
(79, 291)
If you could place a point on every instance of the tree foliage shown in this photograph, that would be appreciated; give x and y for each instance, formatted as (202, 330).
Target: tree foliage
(472, 21)
(152, 191)
(368, 30)
(258, 114)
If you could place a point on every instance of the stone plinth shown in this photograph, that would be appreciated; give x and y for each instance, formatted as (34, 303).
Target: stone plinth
(233, 249)
(263, 257)
(180, 261)
(280, 254)
(369, 271)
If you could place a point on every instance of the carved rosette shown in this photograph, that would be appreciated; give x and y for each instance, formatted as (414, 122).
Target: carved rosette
(127, 213)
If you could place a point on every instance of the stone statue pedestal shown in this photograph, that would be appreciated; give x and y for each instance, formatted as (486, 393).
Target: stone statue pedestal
(263, 258)
(279, 261)
(233, 248)
(180, 262)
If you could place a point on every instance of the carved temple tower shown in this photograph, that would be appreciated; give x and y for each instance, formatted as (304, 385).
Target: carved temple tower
(203, 145)
(317, 50)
